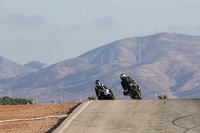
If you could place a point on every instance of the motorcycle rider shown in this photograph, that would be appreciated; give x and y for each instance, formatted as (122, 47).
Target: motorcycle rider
(99, 89)
(127, 82)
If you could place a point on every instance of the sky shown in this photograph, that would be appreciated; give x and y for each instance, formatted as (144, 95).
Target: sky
(50, 31)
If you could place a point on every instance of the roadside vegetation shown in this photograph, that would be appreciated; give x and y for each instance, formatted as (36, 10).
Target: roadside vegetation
(162, 97)
(92, 98)
(15, 101)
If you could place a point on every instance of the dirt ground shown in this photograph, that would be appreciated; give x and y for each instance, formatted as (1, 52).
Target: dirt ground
(45, 125)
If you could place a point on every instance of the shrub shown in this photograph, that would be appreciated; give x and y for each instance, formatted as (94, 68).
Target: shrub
(162, 97)
(12, 101)
(30, 101)
(165, 96)
(92, 98)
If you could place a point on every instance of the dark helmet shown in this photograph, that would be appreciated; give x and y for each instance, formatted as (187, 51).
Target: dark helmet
(123, 75)
(97, 82)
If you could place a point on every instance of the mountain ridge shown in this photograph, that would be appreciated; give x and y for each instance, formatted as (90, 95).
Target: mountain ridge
(10, 69)
(36, 65)
(165, 63)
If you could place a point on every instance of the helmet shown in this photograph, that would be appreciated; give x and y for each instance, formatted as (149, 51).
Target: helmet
(122, 75)
(97, 82)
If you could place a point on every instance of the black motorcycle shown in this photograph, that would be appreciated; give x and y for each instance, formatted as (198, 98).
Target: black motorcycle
(135, 92)
(107, 94)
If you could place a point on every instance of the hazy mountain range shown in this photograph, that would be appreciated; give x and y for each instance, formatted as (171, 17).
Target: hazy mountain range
(165, 63)
(36, 65)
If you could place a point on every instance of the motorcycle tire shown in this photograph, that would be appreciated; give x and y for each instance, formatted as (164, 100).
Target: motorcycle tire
(112, 97)
(138, 95)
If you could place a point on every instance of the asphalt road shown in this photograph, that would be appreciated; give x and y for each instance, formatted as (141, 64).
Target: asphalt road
(134, 116)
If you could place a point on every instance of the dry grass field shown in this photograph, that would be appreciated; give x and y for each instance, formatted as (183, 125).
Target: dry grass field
(26, 112)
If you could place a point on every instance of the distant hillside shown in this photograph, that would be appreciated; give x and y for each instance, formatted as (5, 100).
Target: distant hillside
(36, 65)
(165, 63)
(9, 69)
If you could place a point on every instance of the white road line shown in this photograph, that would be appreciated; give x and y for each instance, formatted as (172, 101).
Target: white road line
(30, 119)
(74, 117)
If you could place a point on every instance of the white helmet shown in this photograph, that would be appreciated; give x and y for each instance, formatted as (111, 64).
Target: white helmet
(122, 75)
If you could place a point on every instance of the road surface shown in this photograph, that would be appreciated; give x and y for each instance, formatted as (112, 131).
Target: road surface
(134, 116)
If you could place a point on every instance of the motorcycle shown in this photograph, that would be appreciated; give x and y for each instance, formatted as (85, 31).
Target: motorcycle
(135, 92)
(107, 94)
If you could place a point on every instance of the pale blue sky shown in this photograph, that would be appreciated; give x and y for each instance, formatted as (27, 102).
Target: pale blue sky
(54, 30)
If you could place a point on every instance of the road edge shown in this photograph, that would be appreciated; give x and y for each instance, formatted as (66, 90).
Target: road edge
(65, 124)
